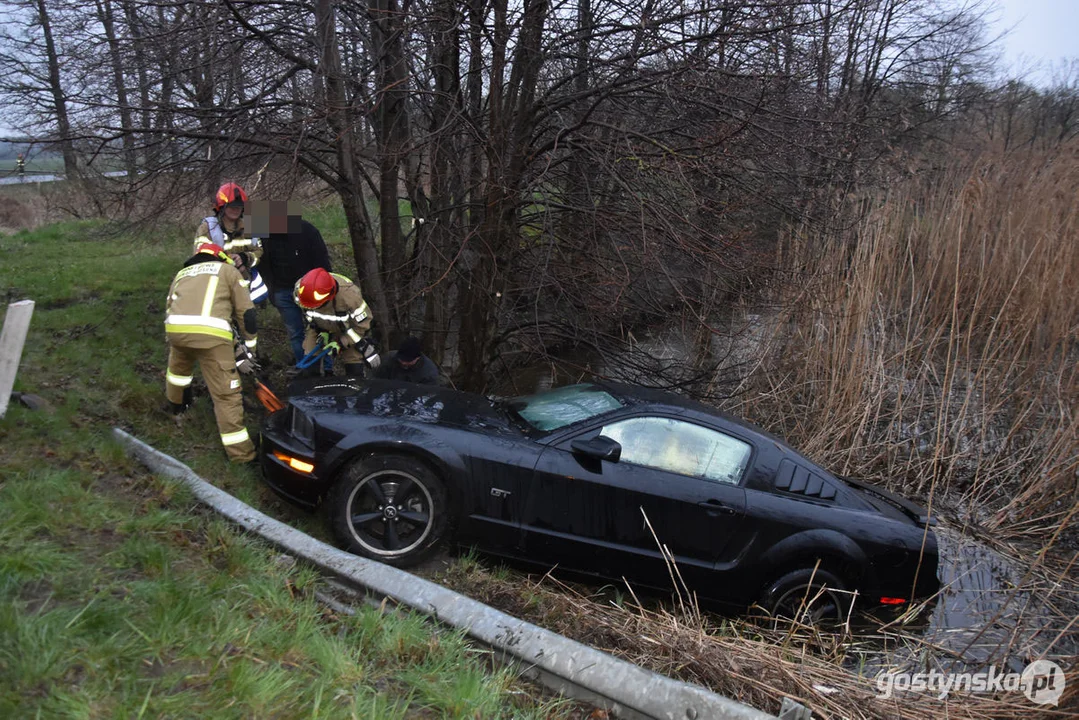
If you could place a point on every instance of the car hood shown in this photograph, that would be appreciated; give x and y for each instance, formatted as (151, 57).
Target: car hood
(410, 401)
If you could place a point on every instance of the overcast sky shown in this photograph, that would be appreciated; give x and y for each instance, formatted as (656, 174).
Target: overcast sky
(1045, 31)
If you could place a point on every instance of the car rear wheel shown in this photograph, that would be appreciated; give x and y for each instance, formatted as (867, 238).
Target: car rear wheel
(389, 508)
(811, 596)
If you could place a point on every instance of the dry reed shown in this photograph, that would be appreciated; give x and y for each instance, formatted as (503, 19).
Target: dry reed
(755, 661)
(936, 350)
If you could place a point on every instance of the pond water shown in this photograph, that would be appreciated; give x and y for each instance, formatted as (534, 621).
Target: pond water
(29, 178)
(33, 177)
(990, 611)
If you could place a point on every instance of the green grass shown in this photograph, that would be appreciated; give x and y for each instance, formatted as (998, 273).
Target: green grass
(35, 164)
(329, 218)
(119, 595)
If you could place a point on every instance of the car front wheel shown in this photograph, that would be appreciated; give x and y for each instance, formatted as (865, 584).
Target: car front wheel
(811, 596)
(389, 508)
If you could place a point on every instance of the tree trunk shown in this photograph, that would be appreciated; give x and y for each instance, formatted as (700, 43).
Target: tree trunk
(164, 119)
(134, 26)
(393, 137)
(63, 125)
(512, 118)
(446, 187)
(105, 15)
(339, 118)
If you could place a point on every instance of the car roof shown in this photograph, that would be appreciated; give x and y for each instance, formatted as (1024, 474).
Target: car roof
(656, 399)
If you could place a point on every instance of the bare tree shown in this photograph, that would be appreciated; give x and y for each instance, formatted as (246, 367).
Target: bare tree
(116, 61)
(575, 170)
(30, 64)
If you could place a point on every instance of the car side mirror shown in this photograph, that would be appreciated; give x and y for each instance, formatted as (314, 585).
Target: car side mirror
(598, 447)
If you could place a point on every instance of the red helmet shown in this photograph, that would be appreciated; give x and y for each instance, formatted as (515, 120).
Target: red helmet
(315, 289)
(216, 250)
(228, 193)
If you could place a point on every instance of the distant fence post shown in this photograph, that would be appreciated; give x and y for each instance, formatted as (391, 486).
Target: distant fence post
(16, 325)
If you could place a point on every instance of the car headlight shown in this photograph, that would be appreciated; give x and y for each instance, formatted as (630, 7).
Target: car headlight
(302, 428)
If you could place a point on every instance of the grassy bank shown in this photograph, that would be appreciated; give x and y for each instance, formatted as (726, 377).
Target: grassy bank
(119, 596)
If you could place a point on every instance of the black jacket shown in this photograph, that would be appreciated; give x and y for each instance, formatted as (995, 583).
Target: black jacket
(288, 257)
(425, 372)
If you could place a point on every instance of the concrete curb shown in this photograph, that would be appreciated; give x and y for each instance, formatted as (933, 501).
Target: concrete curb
(627, 690)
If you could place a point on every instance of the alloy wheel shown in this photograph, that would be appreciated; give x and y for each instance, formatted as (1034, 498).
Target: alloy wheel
(390, 513)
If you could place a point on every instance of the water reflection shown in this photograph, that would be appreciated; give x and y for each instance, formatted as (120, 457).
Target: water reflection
(987, 613)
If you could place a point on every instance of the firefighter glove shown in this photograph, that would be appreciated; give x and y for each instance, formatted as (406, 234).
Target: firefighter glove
(324, 339)
(245, 361)
(247, 366)
(370, 353)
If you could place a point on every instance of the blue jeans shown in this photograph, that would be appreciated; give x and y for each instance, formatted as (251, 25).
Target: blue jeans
(292, 316)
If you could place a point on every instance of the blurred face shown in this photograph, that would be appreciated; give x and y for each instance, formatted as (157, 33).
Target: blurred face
(408, 363)
(274, 217)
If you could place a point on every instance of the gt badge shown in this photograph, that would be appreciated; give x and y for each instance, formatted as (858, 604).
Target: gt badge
(499, 493)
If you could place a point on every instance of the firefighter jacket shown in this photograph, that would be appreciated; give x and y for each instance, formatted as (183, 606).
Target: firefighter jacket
(234, 241)
(346, 317)
(205, 300)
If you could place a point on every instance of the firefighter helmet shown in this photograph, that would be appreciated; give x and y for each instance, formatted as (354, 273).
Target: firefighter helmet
(228, 193)
(216, 250)
(315, 289)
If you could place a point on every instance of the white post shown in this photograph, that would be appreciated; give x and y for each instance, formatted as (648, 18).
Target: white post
(16, 325)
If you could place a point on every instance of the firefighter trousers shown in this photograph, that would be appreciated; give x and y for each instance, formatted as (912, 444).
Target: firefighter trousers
(218, 365)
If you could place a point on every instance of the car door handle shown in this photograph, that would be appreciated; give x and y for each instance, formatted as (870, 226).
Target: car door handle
(718, 506)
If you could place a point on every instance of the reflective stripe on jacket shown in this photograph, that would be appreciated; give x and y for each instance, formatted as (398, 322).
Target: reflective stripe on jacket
(234, 241)
(204, 301)
(347, 315)
(259, 291)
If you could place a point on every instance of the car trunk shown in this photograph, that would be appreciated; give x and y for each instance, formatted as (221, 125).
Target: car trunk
(888, 503)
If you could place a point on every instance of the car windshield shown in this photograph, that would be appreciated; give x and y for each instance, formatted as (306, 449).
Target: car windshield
(558, 408)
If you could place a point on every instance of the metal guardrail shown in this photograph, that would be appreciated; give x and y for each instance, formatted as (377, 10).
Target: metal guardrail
(564, 665)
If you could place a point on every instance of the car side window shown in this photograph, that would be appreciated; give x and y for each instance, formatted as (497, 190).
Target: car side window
(680, 447)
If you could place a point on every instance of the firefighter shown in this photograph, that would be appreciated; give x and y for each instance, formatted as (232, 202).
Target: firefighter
(226, 228)
(20, 167)
(206, 300)
(335, 312)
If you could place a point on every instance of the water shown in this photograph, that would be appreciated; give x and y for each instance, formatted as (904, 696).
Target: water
(47, 177)
(987, 613)
(29, 179)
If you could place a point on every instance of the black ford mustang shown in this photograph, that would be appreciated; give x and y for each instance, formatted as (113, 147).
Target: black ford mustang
(608, 479)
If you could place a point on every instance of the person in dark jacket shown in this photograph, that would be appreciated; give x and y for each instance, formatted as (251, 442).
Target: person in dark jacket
(409, 364)
(292, 248)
